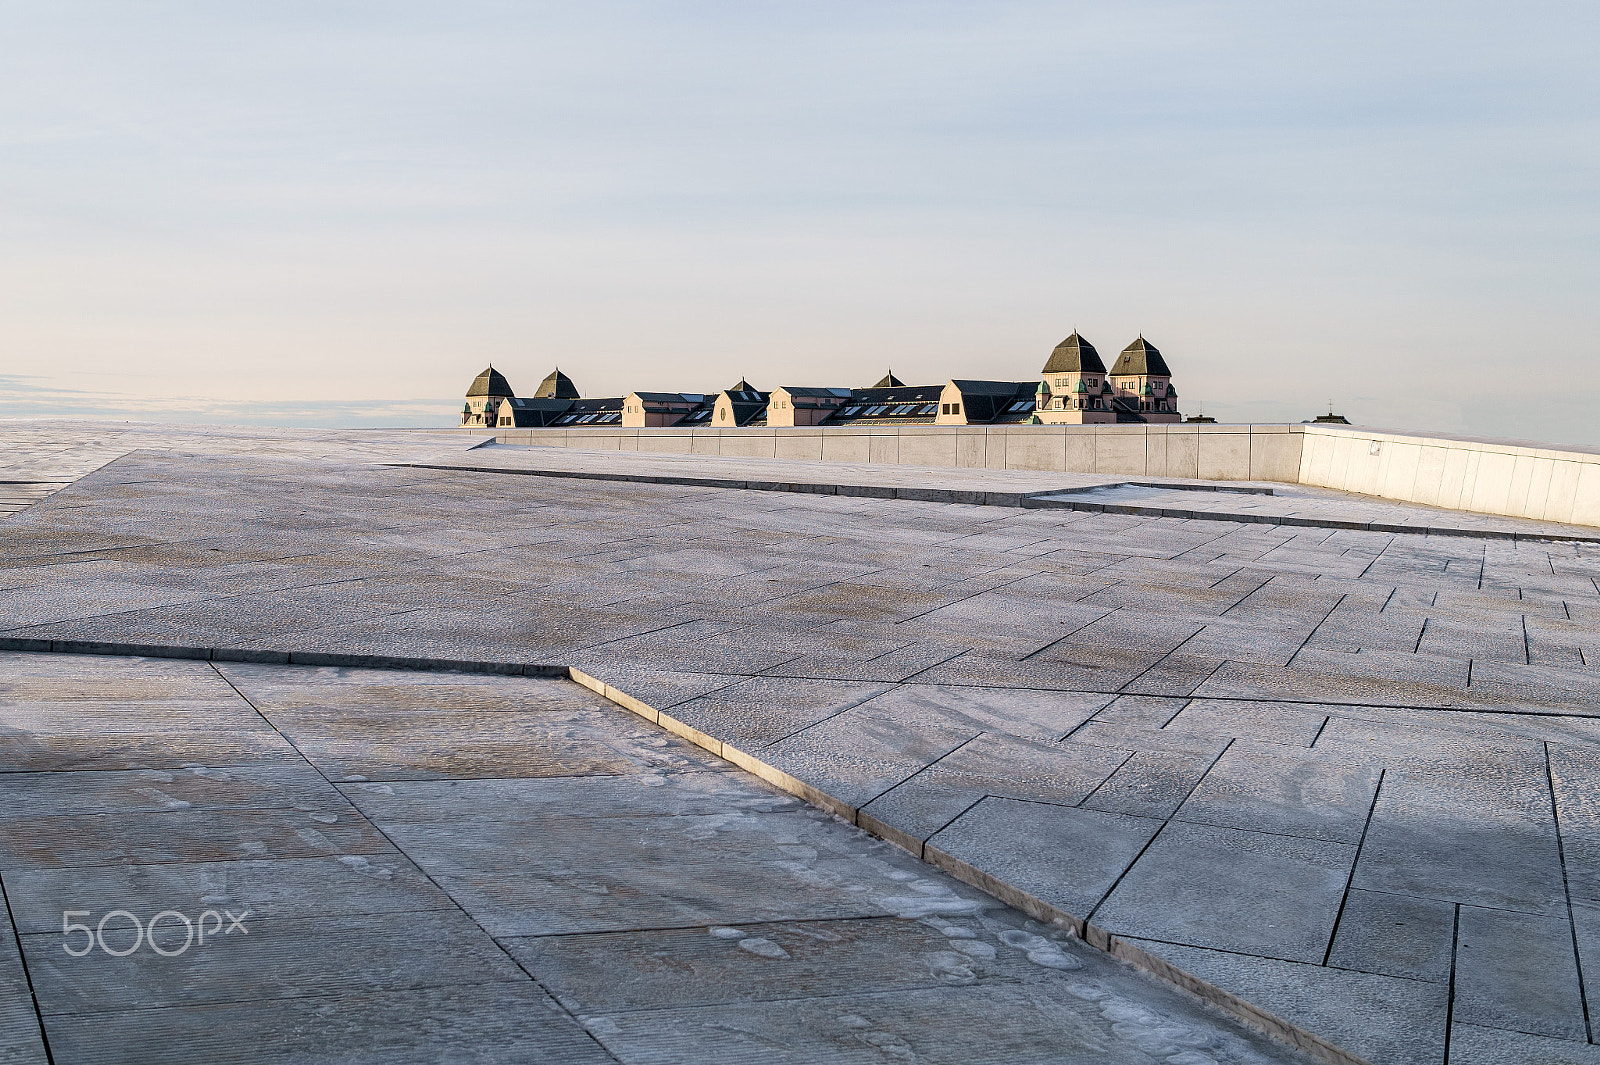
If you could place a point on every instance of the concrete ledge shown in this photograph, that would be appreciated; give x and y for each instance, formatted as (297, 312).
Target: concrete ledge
(904, 840)
(1036, 908)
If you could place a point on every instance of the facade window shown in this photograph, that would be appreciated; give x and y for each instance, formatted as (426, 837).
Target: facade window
(955, 408)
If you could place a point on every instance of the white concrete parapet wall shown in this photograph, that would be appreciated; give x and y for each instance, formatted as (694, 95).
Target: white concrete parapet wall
(1212, 452)
(1520, 480)
(1461, 473)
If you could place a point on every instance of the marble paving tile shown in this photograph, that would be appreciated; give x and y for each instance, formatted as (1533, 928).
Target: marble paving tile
(1072, 857)
(1532, 988)
(1225, 889)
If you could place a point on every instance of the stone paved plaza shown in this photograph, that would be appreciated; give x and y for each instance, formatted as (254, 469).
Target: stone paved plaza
(1349, 777)
(488, 869)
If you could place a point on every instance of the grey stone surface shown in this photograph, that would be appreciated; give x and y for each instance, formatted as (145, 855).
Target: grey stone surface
(1379, 1018)
(858, 755)
(677, 909)
(1278, 668)
(1472, 1045)
(871, 1028)
(1294, 724)
(1068, 857)
(761, 711)
(21, 1039)
(277, 959)
(992, 765)
(1270, 789)
(1395, 935)
(477, 1023)
(1466, 839)
(1151, 783)
(1532, 989)
(1253, 893)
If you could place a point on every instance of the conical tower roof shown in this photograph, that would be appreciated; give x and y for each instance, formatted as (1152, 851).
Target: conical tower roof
(890, 381)
(557, 386)
(1141, 357)
(490, 382)
(1074, 355)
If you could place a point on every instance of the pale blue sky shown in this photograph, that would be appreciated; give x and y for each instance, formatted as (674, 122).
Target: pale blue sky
(335, 213)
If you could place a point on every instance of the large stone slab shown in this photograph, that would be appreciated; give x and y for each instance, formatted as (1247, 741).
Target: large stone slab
(1377, 1018)
(1266, 788)
(1531, 987)
(1246, 892)
(1073, 856)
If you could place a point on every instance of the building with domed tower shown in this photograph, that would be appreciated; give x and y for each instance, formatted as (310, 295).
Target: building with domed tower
(1077, 389)
(491, 404)
(1073, 389)
(484, 396)
(1142, 384)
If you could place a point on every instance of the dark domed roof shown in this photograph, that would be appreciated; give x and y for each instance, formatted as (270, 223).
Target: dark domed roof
(557, 386)
(1141, 357)
(890, 381)
(1074, 355)
(490, 382)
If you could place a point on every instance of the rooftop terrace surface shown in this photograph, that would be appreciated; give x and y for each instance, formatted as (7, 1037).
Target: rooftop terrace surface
(1350, 777)
(1266, 502)
(431, 867)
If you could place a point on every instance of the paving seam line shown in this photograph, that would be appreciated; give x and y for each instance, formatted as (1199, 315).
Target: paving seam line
(1302, 1040)
(1024, 500)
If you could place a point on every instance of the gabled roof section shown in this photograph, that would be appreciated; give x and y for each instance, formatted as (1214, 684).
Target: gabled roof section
(748, 408)
(897, 405)
(1074, 355)
(816, 393)
(691, 398)
(1141, 357)
(898, 394)
(700, 416)
(997, 401)
(582, 413)
(533, 413)
(995, 388)
(490, 382)
(557, 386)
